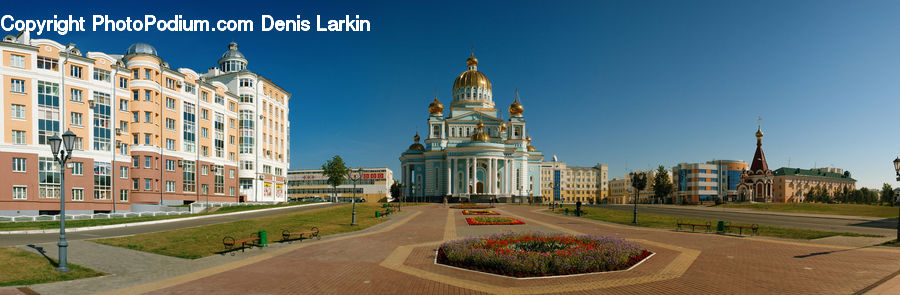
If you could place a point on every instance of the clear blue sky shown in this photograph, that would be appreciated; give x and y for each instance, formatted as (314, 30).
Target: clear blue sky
(633, 84)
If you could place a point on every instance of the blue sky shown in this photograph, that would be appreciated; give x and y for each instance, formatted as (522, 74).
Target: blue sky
(632, 84)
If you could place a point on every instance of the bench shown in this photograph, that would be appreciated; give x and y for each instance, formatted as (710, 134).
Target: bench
(754, 228)
(311, 233)
(383, 213)
(229, 242)
(708, 225)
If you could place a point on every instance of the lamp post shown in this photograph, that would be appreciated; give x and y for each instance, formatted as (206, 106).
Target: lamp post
(638, 181)
(355, 178)
(61, 157)
(897, 170)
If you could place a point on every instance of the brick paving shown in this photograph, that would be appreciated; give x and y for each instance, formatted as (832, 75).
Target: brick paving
(398, 259)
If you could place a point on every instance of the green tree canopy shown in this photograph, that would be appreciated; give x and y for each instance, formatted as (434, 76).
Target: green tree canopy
(887, 194)
(336, 171)
(662, 186)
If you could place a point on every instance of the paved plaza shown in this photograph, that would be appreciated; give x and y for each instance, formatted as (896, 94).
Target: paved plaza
(397, 257)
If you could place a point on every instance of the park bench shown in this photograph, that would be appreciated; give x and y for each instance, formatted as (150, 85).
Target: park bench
(708, 225)
(311, 233)
(229, 242)
(754, 228)
(383, 213)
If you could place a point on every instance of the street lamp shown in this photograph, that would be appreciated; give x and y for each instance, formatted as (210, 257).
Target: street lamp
(61, 156)
(638, 181)
(897, 170)
(355, 178)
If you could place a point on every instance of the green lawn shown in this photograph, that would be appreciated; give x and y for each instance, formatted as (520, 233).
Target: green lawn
(669, 222)
(19, 267)
(204, 241)
(8, 226)
(819, 208)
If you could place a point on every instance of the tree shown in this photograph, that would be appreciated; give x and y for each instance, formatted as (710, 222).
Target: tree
(662, 187)
(395, 189)
(639, 182)
(887, 194)
(336, 171)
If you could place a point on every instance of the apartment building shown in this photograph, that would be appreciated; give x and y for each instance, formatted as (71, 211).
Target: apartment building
(570, 184)
(695, 182)
(147, 134)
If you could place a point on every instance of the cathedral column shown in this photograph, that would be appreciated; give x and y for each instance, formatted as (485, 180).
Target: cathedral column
(489, 185)
(507, 178)
(449, 176)
(467, 176)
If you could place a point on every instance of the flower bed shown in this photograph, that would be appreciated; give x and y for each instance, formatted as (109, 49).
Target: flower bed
(492, 220)
(479, 212)
(540, 254)
(471, 206)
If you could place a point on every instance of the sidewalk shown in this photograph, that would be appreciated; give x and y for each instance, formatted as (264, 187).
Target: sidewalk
(752, 211)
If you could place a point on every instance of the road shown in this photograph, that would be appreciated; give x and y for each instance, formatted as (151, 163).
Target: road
(884, 227)
(26, 239)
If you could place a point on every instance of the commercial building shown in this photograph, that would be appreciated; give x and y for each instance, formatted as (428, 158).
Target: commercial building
(792, 184)
(374, 185)
(472, 154)
(621, 192)
(695, 182)
(570, 184)
(147, 134)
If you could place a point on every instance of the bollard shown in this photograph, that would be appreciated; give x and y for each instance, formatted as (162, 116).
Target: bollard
(377, 214)
(263, 239)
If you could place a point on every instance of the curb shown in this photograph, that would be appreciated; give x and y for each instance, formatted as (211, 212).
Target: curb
(751, 211)
(99, 227)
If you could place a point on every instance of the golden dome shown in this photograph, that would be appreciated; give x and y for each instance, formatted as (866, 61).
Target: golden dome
(759, 133)
(436, 107)
(479, 135)
(472, 61)
(529, 147)
(416, 146)
(503, 127)
(516, 108)
(471, 78)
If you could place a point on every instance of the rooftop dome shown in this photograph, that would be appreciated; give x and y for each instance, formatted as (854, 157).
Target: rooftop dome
(516, 108)
(233, 52)
(143, 48)
(479, 135)
(232, 60)
(472, 84)
(416, 146)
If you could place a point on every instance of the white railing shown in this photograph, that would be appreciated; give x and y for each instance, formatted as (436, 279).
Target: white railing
(195, 207)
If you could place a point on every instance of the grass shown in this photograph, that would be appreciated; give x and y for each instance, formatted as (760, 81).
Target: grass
(198, 242)
(20, 267)
(8, 226)
(820, 208)
(669, 222)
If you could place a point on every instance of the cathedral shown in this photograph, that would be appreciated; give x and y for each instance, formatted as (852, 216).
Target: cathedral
(471, 153)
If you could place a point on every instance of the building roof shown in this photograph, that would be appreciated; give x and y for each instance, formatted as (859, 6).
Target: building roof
(759, 159)
(787, 171)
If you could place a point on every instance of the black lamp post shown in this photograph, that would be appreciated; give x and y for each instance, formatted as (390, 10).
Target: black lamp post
(61, 157)
(638, 181)
(897, 170)
(355, 178)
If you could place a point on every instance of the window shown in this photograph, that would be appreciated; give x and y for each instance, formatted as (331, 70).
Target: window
(246, 165)
(170, 83)
(148, 117)
(246, 82)
(77, 194)
(17, 61)
(75, 95)
(170, 165)
(77, 168)
(204, 96)
(170, 103)
(18, 137)
(204, 169)
(20, 192)
(246, 132)
(147, 137)
(47, 64)
(148, 184)
(189, 129)
(17, 86)
(170, 123)
(148, 96)
(135, 95)
(123, 105)
(204, 132)
(230, 173)
(48, 111)
(170, 186)
(147, 161)
(123, 172)
(123, 195)
(101, 75)
(123, 83)
(75, 71)
(220, 99)
(102, 181)
(204, 150)
(18, 111)
(134, 183)
(19, 165)
(247, 98)
(219, 172)
(204, 189)
(231, 106)
(189, 88)
(204, 114)
(188, 175)
(147, 74)
(48, 178)
(135, 117)
(76, 119)
(134, 75)
(230, 190)
(135, 161)
(170, 144)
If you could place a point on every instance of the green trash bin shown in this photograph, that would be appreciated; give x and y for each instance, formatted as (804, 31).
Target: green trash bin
(720, 227)
(383, 206)
(377, 214)
(263, 239)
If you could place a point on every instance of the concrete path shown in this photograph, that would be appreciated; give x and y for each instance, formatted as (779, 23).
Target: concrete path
(397, 257)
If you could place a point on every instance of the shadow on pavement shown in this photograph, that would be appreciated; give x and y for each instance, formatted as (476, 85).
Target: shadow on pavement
(829, 252)
(889, 223)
